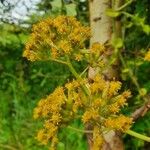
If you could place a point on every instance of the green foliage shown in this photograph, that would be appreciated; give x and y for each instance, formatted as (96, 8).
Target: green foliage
(22, 84)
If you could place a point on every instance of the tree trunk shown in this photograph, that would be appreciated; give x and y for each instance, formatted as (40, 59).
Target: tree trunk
(99, 22)
(101, 29)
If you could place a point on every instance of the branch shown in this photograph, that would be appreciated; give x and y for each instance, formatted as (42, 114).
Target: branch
(140, 112)
(80, 130)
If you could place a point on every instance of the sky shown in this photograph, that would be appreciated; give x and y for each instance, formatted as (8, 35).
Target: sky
(20, 10)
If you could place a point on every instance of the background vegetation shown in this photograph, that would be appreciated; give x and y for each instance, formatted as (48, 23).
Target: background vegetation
(23, 83)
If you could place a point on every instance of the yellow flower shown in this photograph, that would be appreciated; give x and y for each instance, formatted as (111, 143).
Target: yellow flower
(65, 46)
(97, 48)
(97, 103)
(114, 108)
(98, 139)
(114, 86)
(54, 53)
(72, 85)
(78, 57)
(90, 115)
(56, 37)
(100, 109)
(41, 136)
(54, 141)
(56, 118)
(98, 85)
(147, 56)
(126, 94)
(121, 123)
(77, 104)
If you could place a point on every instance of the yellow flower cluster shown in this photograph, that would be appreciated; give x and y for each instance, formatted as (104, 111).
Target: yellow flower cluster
(57, 109)
(147, 56)
(96, 58)
(107, 88)
(97, 102)
(90, 115)
(101, 109)
(50, 109)
(56, 37)
(97, 48)
(120, 122)
(97, 138)
(75, 97)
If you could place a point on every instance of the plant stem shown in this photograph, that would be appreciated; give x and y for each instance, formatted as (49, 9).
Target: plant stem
(137, 135)
(73, 71)
(125, 5)
(84, 71)
(79, 130)
(77, 76)
(59, 61)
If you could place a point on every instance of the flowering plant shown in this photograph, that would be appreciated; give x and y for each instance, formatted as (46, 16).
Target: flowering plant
(96, 102)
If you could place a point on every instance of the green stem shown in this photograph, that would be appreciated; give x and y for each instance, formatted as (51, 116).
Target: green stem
(59, 61)
(77, 76)
(79, 130)
(137, 135)
(84, 71)
(73, 71)
(127, 14)
(124, 6)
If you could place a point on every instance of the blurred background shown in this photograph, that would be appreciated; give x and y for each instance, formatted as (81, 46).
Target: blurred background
(23, 83)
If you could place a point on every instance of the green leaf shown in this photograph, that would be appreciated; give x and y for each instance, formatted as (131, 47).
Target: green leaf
(71, 9)
(117, 42)
(143, 91)
(56, 4)
(112, 13)
(128, 24)
(126, 70)
(146, 29)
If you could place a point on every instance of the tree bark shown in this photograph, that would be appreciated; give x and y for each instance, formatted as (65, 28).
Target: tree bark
(101, 29)
(100, 23)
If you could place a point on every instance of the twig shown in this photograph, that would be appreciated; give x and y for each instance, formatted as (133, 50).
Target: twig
(125, 5)
(141, 111)
(59, 61)
(79, 130)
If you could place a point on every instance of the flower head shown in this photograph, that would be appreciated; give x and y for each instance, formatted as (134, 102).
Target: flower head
(56, 37)
(147, 56)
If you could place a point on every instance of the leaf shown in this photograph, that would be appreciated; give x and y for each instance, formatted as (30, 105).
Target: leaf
(129, 24)
(117, 42)
(143, 91)
(139, 63)
(146, 29)
(126, 70)
(56, 4)
(112, 13)
(71, 9)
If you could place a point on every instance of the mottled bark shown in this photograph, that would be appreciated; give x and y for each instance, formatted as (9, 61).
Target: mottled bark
(102, 27)
(99, 22)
